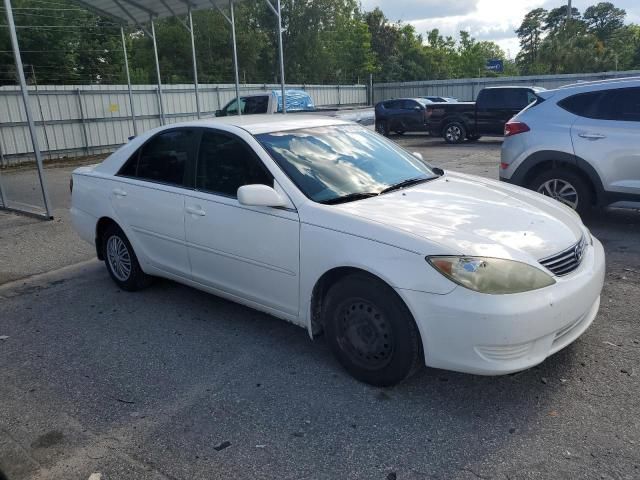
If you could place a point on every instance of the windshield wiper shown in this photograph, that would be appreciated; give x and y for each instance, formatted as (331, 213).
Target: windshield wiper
(349, 198)
(406, 183)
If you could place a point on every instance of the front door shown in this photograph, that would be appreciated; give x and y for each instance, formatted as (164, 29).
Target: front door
(608, 137)
(248, 252)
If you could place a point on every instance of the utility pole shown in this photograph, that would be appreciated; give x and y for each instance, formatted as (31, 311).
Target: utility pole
(568, 11)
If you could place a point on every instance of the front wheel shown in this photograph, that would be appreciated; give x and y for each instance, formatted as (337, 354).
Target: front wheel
(566, 187)
(121, 261)
(454, 132)
(371, 332)
(382, 127)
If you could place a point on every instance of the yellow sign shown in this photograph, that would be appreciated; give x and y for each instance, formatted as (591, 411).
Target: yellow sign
(114, 107)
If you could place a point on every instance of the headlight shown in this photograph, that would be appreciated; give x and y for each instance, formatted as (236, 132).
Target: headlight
(491, 275)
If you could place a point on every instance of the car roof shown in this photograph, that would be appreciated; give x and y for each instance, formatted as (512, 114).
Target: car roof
(607, 82)
(266, 123)
(535, 89)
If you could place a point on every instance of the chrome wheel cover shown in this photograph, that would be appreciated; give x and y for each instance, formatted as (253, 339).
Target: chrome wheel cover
(560, 190)
(119, 258)
(453, 133)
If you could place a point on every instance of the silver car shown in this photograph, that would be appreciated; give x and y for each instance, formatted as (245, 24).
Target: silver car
(579, 144)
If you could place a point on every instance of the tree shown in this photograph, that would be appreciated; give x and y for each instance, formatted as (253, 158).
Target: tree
(530, 35)
(604, 19)
(557, 19)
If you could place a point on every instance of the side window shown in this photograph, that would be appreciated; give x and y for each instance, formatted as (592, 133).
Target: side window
(531, 97)
(409, 104)
(225, 163)
(257, 104)
(163, 159)
(581, 104)
(232, 107)
(391, 104)
(621, 104)
(488, 99)
(515, 98)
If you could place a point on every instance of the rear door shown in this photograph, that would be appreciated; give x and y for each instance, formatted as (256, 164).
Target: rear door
(148, 197)
(607, 135)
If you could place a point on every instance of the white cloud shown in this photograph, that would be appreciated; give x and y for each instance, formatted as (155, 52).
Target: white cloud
(493, 20)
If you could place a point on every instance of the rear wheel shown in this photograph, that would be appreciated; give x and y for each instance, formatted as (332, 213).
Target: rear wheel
(371, 332)
(454, 132)
(565, 186)
(121, 261)
(382, 127)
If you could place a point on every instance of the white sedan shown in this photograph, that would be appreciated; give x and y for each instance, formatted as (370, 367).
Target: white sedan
(330, 226)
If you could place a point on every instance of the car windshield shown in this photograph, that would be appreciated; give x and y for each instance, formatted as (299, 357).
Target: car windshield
(343, 162)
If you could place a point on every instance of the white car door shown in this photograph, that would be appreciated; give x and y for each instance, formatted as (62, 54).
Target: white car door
(247, 252)
(608, 137)
(148, 197)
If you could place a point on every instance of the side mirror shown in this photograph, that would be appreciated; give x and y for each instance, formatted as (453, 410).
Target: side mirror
(260, 196)
(418, 155)
(218, 113)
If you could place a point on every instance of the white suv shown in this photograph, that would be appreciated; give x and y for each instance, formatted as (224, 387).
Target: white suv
(579, 144)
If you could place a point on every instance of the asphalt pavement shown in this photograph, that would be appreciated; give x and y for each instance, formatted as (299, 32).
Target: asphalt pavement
(173, 383)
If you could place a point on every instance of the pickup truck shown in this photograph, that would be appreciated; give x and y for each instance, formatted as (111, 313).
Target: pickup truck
(493, 108)
(270, 102)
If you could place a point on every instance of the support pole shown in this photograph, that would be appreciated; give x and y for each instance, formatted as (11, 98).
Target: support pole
(126, 67)
(155, 54)
(235, 55)
(195, 64)
(27, 106)
(284, 99)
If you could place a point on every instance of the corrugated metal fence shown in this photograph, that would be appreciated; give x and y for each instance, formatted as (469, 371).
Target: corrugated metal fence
(466, 89)
(92, 119)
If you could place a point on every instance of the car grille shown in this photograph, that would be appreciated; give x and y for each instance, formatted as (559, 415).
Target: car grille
(566, 261)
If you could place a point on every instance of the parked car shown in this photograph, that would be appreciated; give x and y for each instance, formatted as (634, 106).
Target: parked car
(436, 99)
(493, 108)
(579, 144)
(297, 101)
(269, 102)
(328, 225)
(401, 115)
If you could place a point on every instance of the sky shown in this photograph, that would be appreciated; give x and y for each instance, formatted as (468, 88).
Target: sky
(493, 20)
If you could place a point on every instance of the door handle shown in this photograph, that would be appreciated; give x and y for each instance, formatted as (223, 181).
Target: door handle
(196, 210)
(118, 192)
(592, 136)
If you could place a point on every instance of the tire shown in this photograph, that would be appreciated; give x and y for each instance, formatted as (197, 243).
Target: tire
(454, 132)
(371, 331)
(121, 261)
(382, 127)
(565, 186)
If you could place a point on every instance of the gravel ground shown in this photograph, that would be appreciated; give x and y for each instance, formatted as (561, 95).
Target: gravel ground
(172, 383)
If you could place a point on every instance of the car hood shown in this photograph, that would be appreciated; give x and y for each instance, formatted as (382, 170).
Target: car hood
(470, 215)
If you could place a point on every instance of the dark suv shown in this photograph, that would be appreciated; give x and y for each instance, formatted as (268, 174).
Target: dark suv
(401, 115)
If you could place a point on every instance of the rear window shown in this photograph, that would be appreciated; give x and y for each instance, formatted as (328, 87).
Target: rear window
(511, 98)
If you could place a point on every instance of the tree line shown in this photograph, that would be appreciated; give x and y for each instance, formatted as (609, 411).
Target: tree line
(325, 41)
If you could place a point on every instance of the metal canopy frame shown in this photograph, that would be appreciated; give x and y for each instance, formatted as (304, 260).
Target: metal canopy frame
(140, 13)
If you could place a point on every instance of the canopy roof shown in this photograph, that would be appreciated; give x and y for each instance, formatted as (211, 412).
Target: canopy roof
(138, 12)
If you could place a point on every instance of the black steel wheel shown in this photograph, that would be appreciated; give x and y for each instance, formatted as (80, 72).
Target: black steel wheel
(371, 331)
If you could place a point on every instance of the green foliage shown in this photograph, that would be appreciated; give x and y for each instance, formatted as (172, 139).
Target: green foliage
(594, 42)
(325, 41)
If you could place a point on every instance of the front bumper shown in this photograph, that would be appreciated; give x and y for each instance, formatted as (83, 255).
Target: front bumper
(485, 334)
